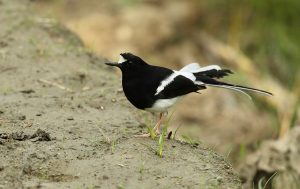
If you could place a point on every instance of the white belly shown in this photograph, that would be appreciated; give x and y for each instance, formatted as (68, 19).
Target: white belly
(162, 105)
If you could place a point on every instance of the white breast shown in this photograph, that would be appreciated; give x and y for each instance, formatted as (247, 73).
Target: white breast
(162, 105)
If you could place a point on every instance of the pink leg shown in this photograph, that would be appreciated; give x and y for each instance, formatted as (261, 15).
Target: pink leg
(156, 128)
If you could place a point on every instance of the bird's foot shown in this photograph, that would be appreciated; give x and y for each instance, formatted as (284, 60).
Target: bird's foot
(146, 135)
(157, 132)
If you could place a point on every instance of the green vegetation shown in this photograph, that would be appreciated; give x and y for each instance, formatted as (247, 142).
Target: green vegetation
(161, 142)
(267, 31)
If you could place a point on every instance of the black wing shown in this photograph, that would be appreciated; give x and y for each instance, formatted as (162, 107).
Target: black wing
(178, 87)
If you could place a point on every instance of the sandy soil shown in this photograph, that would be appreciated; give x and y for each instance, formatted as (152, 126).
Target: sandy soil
(64, 122)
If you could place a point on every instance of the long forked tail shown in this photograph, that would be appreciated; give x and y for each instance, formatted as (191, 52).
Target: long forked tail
(207, 75)
(214, 83)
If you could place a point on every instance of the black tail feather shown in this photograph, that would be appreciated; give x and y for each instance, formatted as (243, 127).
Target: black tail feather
(214, 73)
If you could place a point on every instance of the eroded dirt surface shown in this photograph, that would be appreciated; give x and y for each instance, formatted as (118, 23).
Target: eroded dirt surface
(39, 135)
(74, 126)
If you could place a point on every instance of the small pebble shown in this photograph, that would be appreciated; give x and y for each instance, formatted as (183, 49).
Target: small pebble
(22, 117)
(70, 118)
(27, 91)
(86, 88)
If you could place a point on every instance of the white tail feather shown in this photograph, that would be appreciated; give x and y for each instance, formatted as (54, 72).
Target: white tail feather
(192, 67)
(254, 90)
(196, 68)
(231, 88)
(211, 67)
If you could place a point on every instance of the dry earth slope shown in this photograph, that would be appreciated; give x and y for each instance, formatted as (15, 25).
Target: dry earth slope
(65, 124)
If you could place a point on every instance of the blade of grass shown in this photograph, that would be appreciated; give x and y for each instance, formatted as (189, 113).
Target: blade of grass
(175, 133)
(242, 152)
(151, 131)
(160, 145)
(161, 142)
(271, 177)
(190, 141)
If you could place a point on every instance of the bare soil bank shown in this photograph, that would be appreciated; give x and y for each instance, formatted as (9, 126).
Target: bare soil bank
(65, 124)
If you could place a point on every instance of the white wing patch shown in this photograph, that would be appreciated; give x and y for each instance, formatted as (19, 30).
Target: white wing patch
(187, 71)
(166, 82)
(171, 78)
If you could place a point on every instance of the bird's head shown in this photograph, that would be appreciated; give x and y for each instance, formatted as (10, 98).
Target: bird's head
(128, 61)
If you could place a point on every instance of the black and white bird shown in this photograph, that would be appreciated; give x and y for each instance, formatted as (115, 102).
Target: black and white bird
(156, 89)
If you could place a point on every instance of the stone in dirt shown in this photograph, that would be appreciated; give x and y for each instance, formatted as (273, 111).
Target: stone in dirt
(38, 135)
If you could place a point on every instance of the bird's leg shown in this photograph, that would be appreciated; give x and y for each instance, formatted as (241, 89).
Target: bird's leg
(157, 126)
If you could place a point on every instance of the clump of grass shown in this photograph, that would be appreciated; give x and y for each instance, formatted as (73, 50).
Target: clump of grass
(161, 142)
(113, 146)
(151, 131)
(190, 140)
(149, 125)
(175, 133)
(110, 143)
(162, 136)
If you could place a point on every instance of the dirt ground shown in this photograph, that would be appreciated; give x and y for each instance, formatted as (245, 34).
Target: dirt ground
(64, 122)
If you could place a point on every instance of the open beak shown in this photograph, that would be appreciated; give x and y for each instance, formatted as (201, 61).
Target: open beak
(113, 64)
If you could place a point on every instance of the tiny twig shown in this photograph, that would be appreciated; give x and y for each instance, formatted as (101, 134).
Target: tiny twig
(52, 83)
(121, 165)
(105, 136)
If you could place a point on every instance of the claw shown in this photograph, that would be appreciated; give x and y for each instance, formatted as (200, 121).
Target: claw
(157, 131)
